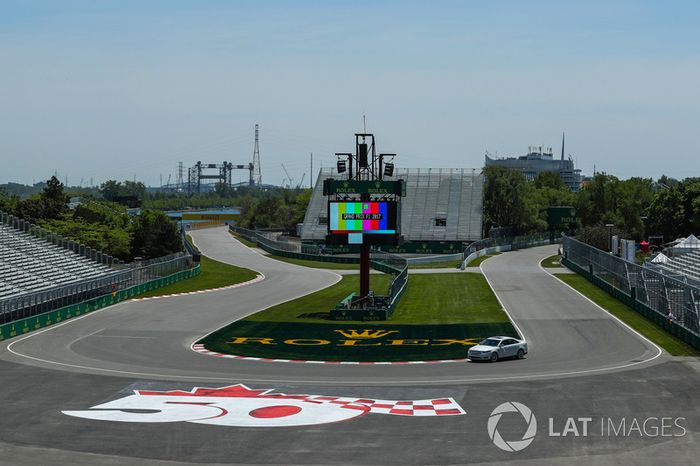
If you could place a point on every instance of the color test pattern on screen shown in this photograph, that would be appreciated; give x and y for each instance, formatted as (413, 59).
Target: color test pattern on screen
(356, 217)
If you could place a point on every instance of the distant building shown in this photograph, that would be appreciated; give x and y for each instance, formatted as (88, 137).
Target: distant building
(541, 159)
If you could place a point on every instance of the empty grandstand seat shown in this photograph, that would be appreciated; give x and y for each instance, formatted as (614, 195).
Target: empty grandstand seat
(29, 264)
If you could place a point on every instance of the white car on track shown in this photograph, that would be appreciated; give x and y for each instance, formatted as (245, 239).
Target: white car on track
(495, 348)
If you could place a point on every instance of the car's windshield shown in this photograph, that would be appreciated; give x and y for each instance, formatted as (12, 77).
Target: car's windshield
(490, 342)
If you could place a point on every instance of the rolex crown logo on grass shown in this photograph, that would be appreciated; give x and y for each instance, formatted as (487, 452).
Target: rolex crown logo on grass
(365, 334)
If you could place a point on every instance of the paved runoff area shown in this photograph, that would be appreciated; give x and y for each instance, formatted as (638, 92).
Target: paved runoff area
(123, 386)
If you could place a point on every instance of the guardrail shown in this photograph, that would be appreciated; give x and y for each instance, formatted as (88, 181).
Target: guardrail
(507, 243)
(126, 276)
(381, 261)
(190, 247)
(44, 319)
(667, 301)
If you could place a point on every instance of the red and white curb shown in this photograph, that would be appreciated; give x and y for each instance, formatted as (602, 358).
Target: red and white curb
(260, 277)
(199, 348)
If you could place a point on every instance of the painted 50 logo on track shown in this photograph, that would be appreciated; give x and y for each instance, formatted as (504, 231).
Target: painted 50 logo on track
(240, 406)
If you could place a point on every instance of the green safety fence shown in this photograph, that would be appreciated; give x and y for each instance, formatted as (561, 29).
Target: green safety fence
(21, 326)
(630, 300)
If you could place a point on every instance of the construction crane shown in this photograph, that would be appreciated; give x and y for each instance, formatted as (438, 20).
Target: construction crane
(302, 180)
(291, 181)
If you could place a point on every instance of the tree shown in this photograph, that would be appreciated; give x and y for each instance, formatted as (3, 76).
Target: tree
(597, 203)
(507, 201)
(30, 209)
(110, 189)
(54, 199)
(595, 235)
(133, 188)
(301, 203)
(634, 198)
(155, 235)
(549, 180)
(675, 211)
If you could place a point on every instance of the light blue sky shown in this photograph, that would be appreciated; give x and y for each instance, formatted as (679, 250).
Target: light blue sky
(109, 89)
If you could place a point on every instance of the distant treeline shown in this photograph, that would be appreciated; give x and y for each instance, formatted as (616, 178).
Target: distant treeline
(638, 207)
(97, 223)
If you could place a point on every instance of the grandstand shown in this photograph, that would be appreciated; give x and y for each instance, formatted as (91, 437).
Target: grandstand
(686, 265)
(441, 204)
(29, 264)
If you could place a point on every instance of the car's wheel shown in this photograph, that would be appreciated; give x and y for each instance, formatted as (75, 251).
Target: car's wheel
(494, 357)
(521, 353)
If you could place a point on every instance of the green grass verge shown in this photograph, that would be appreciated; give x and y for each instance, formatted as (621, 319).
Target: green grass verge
(453, 298)
(437, 265)
(246, 242)
(315, 307)
(477, 261)
(552, 262)
(438, 317)
(214, 274)
(628, 315)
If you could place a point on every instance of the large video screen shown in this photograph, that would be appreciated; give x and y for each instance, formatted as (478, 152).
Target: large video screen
(362, 217)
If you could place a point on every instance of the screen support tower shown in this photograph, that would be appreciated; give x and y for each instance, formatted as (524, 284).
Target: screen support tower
(365, 165)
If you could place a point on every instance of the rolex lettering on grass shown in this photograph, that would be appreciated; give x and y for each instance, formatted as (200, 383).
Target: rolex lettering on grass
(353, 337)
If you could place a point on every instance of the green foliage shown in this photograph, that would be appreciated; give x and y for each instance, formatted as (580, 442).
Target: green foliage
(112, 241)
(637, 207)
(507, 200)
(675, 209)
(277, 209)
(51, 203)
(112, 189)
(595, 235)
(107, 213)
(155, 235)
(163, 201)
(214, 274)
(7, 203)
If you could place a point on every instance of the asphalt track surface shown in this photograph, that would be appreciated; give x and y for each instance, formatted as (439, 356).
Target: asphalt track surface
(582, 362)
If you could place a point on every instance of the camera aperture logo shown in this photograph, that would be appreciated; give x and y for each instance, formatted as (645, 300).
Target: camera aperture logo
(513, 445)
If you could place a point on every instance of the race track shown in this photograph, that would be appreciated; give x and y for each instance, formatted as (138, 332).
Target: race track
(567, 334)
(582, 363)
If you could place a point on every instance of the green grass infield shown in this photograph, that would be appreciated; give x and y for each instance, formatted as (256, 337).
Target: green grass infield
(439, 317)
(451, 264)
(243, 240)
(214, 274)
(476, 262)
(552, 262)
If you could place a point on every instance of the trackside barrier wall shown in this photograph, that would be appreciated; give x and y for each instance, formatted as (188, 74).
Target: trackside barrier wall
(21, 326)
(668, 302)
(507, 243)
(190, 247)
(125, 277)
